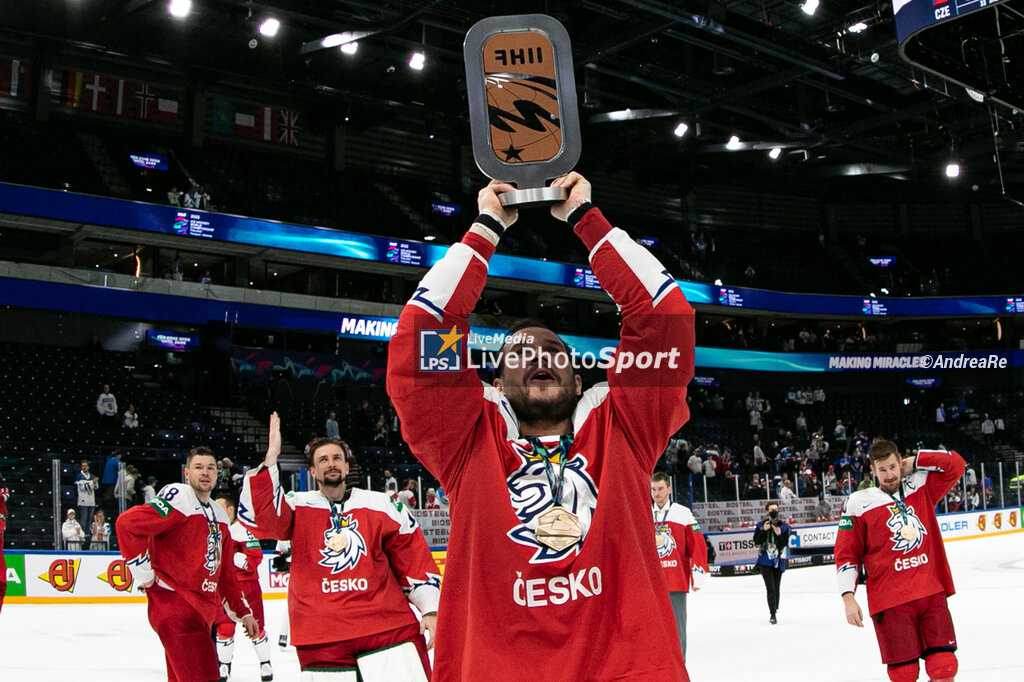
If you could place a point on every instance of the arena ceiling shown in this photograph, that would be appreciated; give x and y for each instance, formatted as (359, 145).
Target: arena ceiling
(837, 103)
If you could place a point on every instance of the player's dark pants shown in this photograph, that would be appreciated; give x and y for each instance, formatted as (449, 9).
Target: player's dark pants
(772, 581)
(343, 654)
(188, 648)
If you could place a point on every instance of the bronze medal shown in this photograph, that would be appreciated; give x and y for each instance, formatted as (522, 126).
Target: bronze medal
(558, 528)
(908, 533)
(661, 539)
(337, 542)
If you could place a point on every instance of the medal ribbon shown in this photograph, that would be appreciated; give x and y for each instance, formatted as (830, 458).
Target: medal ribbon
(564, 443)
(337, 514)
(901, 504)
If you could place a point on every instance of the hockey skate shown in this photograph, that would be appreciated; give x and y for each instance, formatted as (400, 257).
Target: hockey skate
(225, 672)
(266, 672)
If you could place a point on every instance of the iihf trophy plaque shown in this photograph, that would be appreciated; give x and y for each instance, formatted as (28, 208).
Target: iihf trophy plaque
(522, 105)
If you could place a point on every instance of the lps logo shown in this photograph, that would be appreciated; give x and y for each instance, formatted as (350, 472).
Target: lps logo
(118, 576)
(62, 575)
(440, 350)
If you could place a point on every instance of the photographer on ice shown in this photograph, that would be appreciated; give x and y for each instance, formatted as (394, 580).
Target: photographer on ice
(772, 539)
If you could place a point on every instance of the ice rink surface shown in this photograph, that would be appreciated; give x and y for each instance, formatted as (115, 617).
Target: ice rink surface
(730, 638)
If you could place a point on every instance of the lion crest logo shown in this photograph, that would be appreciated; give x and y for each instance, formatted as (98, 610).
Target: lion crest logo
(530, 494)
(663, 539)
(895, 524)
(348, 556)
(212, 557)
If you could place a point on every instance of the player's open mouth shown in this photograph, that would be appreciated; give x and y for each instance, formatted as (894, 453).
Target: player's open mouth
(541, 376)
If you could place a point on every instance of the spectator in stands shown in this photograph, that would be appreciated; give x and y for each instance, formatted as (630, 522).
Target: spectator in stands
(431, 501)
(940, 415)
(973, 500)
(131, 418)
(839, 435)
(823, 512)
(189, 198)
(125, 490)
(695, 465)
(111, 475)
(858, 466)
(970, 477)
(99, 532)
(223, 484)
(389, 481)
(407, 495)
(174, 196)
(362, 423)
(756, 424)
(1000, 430)
(74, 536)
(149, 490)
(709, 474)
(772, 539)
(205, 278)
(86, 484)
(866, 483)
(988, 431)
(331, 429)
(800, 431)
(106, 406)
(847, 485)
(818, 397)
(381, 432)
(755, 489)
(200, 199)
(829, 481)
(786, 493)
(760, 459)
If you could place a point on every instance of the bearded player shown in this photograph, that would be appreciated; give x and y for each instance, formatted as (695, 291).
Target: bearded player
(177, 547)
(893, 532)
(681, 548)
(359, 560)
(551, 571)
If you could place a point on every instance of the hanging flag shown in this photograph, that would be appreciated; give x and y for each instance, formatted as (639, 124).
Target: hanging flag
(223, 115)
(166, 107)
(145, 100)
(289, 133)
(244, 120)
(266, 123)
(15, 78)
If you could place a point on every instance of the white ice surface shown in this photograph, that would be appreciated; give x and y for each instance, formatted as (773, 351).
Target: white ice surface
(730, 639)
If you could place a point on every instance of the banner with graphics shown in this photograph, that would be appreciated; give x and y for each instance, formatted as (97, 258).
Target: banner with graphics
(435, 524)
(737, 547)
(101, 577)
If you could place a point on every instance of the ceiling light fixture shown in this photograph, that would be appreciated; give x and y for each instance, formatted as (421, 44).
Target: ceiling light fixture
(775, 153)
(810, 7)
(269, 27)
(952, 170)
(858, 27)
(733, 143)
(417, 61)
(975, 95)
(180, 8)
(680, 130)
(349, 48)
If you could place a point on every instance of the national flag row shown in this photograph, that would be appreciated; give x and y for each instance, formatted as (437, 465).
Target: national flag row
(15, 78)
(255, 121)
(104, 94)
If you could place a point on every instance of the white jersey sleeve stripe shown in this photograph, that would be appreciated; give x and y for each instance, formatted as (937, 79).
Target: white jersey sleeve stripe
(651, 273)
(438, 285)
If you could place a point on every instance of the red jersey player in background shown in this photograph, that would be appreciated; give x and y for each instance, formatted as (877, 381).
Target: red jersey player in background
(535, 581)
(4, 494)
(893, 531)
(247, 556)
(178, 550)
(358, 560)
(681, 548)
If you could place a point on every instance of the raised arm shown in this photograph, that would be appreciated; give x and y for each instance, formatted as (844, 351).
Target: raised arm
(654, 361)
(437, 406)
(263, 507)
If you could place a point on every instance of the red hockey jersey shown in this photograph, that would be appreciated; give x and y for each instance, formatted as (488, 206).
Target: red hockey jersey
(899, 570)
(595, 610)
(248, 555)
(681, 547)
(184, 544)
(363, 588)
